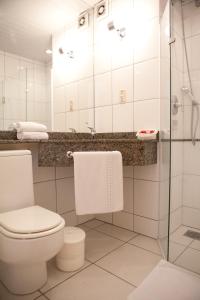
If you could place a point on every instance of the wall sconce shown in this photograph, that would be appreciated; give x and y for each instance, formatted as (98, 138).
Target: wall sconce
(121, 31)
(69, 54)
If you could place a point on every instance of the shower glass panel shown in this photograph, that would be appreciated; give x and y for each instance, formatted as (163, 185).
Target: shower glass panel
(184, 233)
(164, 125)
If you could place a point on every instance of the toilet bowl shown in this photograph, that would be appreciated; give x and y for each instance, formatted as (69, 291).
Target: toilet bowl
(29, 234)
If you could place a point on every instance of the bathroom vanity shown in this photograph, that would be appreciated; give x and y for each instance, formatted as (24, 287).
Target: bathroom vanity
(52, 153)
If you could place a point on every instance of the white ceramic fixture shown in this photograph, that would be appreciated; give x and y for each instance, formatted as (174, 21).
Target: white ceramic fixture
(29, 235)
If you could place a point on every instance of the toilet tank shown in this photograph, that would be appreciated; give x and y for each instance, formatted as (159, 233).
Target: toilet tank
(16, 180)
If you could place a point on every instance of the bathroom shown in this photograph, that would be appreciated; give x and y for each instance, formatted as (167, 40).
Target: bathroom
(110, 77)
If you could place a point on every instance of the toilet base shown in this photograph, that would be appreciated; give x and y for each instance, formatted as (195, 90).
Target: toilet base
(23, 279)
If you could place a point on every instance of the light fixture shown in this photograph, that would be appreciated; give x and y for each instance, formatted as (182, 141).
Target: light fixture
(120, 31)
(48, 51)
(101, 9)
(83, 19)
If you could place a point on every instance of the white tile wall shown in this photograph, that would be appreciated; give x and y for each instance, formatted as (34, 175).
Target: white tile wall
(123, 117)
(147, 114)
(65, 195)
(103, 94)
(146, 39)
(191, 217)
(121, 73)
(85, 93)
(146, 80)
(125, 70)
(123, 219)
(45, 194)
(128, 195)
(122, 80)
(146, 199)
(146, 226)
(71, 97)
(103, 119)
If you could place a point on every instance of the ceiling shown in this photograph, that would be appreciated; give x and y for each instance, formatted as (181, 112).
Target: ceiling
(26, 26)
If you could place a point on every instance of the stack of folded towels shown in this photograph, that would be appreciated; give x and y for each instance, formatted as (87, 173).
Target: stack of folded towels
(30, 131)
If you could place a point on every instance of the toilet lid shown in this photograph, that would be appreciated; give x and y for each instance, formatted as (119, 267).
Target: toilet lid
(31, 219)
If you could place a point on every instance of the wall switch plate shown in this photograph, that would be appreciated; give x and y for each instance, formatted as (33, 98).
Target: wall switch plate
(123, 96)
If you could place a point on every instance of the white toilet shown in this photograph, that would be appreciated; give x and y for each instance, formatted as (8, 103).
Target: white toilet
(29, 235)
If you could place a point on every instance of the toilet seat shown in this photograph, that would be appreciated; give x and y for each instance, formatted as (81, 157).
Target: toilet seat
(30, 222)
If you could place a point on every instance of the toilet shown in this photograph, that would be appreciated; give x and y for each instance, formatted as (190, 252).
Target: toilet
(29, 234)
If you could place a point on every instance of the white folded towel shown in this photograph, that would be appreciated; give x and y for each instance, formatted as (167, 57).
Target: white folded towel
(32, 136)
(30, 127)
(98, 182)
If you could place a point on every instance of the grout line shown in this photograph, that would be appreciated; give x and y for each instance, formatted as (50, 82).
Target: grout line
(54, 179)
(94, 262)
(115, 275)
(146, 217)
(188, 246)
(72, 275)
(43, 181)
(110, 235)
(147, 250)
(42, 295)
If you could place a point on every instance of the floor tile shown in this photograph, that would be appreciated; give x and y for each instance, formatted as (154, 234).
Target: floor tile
(116, 232)
(190, 259)
(175, 250)
(131, 263)
(93, 223)
(178, 236)
(146, 243)
(92, 283)
(5, 295)
(99, 244)
(195, 245)
(56, 276)
(85, 228)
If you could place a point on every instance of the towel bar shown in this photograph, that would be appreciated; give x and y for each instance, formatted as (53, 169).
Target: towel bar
(70, 154)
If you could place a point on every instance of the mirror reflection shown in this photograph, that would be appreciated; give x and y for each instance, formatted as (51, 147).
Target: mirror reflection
(31, 88)
(70, 64)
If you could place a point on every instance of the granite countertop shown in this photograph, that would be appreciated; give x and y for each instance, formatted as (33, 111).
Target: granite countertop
(53, 152)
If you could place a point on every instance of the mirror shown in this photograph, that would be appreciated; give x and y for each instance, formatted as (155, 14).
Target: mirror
(28, 83)
(69, 64)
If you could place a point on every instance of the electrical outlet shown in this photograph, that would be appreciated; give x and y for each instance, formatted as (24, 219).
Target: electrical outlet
(123, 96)
(71, 105)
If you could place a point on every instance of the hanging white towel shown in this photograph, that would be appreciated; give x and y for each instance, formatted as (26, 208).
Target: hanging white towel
(30, 127)
(32, 136)
(98, 182)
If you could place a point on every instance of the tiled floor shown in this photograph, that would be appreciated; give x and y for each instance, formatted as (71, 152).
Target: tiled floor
(117, 261)
(184, 251)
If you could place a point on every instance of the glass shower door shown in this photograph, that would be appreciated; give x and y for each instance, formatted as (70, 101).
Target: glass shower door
(184, 237)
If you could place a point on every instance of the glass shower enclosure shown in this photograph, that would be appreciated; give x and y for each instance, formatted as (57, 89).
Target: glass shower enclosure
(179, 229)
